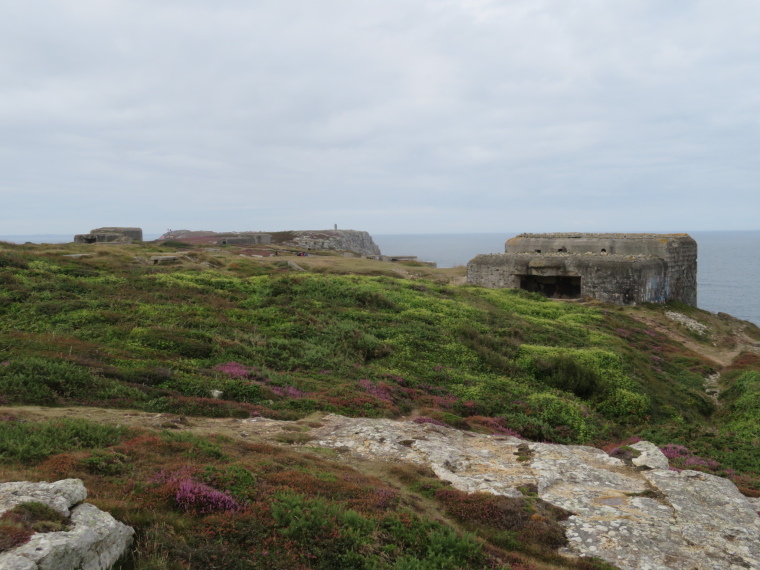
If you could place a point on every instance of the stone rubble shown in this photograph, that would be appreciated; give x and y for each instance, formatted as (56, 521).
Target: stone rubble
(95, 541)
(688, 322)
(641, 517)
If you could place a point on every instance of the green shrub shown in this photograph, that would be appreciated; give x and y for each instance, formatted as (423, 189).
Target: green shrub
(336, 537)
(33, 442)
(744, 398)
(33, 380)
(562, 414)
(566, 373)
(106, 462)
(13, 259)
(194, 445)
(186, 343)
(236, 479)
(624, 406)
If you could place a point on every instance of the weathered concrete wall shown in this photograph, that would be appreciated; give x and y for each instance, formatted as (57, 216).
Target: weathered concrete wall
(102, 238)
(659, 245)
(682, 269)
(614, 268)
(679, 251)
(617, 279)
(133, 233)
(247, 239)
(110, 235)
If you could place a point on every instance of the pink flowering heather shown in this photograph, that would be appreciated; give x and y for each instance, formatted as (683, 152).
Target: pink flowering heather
(493, 425)
(234, 369)
(199, 498)
(696, 461)
(673, 451)
(287, 391)
(386, 498)
(6, 363)
(444, 401)
(174, 477)
(377, 390)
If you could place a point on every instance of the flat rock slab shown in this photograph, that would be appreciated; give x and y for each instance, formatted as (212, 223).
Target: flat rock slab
(642, 517)
(95, 541)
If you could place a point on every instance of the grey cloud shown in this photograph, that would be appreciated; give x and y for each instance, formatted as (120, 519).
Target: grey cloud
(402, 115)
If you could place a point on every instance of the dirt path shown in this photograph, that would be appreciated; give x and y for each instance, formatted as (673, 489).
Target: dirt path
(723, 349)
(251, 429)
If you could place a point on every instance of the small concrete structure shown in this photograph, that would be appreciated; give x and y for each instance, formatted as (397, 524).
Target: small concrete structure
(247, 239)
(164, 259)
(110, 235)
(622, 269)
(401, 258)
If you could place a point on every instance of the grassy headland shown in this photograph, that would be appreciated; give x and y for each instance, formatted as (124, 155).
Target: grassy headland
(222, 335)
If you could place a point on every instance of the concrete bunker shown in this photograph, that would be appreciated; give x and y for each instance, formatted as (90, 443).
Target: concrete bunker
(622, 269)
(110, 235)
(553, 286)
(247, 239)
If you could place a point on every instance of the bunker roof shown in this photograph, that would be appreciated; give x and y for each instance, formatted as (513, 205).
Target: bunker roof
(578, 235)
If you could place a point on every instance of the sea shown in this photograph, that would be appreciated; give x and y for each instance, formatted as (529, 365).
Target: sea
(728, 272)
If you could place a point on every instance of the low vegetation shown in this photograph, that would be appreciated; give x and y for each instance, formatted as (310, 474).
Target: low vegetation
(220, 335)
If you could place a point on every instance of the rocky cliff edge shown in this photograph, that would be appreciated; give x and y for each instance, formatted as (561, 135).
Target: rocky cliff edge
(335, 240)
(639, 516)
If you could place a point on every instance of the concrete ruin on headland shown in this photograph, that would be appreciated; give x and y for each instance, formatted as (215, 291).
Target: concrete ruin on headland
(251, 238)
(110, 235)
(623, 269)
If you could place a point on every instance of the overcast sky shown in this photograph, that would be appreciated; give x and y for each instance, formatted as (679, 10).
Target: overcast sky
(391, 116)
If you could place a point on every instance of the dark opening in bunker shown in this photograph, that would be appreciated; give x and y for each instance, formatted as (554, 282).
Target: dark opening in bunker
(556, 287)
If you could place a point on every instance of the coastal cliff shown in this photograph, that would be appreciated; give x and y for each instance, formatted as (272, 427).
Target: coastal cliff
(335, 240)
(359, 242)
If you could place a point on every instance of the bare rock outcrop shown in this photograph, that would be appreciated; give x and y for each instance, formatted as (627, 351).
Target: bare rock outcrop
(643, 517)
(95, 541)
(335, 240)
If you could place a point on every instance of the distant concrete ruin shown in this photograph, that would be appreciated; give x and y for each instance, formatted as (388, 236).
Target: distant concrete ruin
(110, 235)
(401, 259)
(247, 239)
(623, 269)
